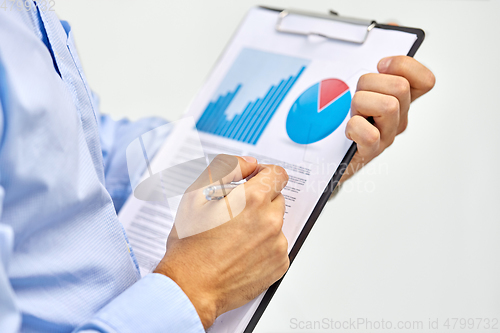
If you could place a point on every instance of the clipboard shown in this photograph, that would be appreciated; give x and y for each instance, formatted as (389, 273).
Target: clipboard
(367, 26)
(276, 60)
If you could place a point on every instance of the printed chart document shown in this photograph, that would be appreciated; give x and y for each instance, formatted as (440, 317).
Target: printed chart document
(282, 98)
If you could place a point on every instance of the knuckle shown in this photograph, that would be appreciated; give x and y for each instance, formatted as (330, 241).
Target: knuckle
(255, 197)
(284, 267)
(283, 205)
(403, 125)
(357, 120)
(401, 64)
(391, 105)
(372, 137)
(279, 176)
(287, 263)
(430, 82)
(281, 256)
(267, 170)
(355, 102)
(278, 169)
(283, 245)
(390, 141)
(281, 172)
(402, 86)
(278, 273)
(363, 80)
(275, 222)
(349, 130)
(350, 125)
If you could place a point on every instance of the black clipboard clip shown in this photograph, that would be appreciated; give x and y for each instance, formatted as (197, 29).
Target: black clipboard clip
(326, 28)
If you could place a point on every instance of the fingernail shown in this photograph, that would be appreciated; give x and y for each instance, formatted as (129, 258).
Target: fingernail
(249, 159)
(383, 65)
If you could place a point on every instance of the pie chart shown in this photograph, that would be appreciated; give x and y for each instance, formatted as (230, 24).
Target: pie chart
(319, 111)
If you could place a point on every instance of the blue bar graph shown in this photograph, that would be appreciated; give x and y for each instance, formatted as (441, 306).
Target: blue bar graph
(249, 124)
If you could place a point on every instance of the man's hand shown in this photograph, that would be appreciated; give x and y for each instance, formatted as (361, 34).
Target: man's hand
(386, 97)
(229, 265)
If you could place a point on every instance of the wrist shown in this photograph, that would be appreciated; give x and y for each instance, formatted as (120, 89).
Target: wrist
(205, 306)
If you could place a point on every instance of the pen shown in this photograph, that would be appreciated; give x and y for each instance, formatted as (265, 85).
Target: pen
(218, 192)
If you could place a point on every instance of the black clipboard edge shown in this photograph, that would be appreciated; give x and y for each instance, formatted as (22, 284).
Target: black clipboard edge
(418, 32)
(329, 188)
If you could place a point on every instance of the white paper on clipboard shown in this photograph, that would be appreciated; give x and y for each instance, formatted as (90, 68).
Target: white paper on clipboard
(244, 109)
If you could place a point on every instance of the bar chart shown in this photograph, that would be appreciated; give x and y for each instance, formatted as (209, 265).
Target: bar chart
(260, 81)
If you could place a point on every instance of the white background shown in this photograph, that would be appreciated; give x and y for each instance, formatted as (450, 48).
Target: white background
(417, 234)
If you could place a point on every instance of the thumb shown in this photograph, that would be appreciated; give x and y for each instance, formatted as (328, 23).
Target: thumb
(224, 169)
(229, 168)
(248, 166)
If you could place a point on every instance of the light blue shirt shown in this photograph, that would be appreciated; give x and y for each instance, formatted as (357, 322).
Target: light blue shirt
(65, 261)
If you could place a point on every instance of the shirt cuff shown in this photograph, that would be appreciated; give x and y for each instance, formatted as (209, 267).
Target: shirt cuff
(153, 304)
